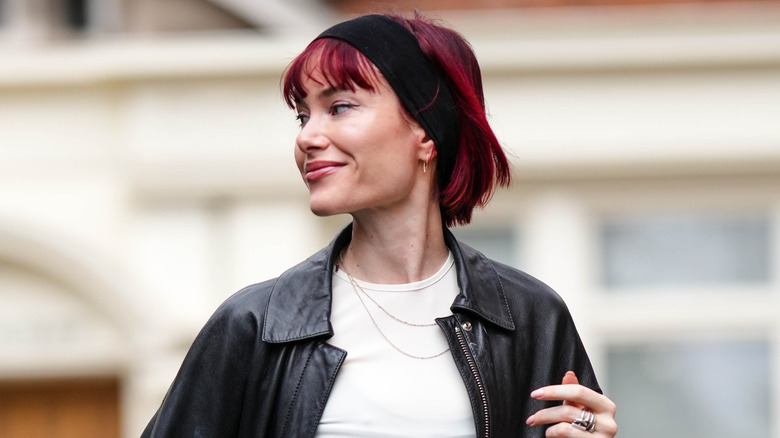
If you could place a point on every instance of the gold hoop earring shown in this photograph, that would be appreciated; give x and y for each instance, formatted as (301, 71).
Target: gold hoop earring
(425, 167)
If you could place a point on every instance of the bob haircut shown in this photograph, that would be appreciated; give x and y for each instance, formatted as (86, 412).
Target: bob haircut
(480, 163)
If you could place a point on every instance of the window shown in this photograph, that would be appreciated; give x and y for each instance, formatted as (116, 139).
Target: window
(496, 242)
(685, 249)
(76, 14)
(691, 390)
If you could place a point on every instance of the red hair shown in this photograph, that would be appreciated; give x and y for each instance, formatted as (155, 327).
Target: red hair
(480, 163)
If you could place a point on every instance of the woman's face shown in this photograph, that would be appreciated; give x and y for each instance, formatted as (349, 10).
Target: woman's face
(356, 150)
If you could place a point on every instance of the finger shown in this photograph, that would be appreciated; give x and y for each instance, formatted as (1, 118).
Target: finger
(556, 414)
(574, 394)
(567, 430)
(571, 379)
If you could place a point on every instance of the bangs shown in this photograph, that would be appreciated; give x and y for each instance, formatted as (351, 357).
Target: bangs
(342, 65)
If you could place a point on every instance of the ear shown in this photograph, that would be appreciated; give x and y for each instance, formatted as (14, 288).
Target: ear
(425, 146)
(429, 149)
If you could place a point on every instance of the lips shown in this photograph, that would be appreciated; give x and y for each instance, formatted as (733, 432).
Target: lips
(319, 169)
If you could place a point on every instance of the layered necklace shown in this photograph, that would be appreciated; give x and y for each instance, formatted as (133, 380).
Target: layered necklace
(358, 289)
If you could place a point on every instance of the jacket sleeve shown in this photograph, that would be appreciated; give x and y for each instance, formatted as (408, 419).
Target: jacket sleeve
(548, 339)
(206, 397)
(568, 353)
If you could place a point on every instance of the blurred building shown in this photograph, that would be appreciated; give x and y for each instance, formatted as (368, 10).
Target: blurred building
(146, 173)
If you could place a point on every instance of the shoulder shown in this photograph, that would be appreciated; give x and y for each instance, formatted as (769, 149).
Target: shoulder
(242, 312)
(253, 301)
(528, 297)
(517, 284)
(516, 281)
(293, 306)
(524, 286)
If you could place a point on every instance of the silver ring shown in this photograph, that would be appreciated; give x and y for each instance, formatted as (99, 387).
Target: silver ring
(586, 422)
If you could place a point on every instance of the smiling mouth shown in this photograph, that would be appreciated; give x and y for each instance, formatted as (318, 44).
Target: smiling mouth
(319, 169)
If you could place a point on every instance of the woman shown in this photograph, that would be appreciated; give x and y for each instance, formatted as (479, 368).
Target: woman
(395, 328)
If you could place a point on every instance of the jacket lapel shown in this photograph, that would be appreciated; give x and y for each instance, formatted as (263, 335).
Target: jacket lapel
(300, 303)
(481, 291)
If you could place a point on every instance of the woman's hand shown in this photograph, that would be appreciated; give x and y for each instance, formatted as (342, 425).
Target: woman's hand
(575, 398)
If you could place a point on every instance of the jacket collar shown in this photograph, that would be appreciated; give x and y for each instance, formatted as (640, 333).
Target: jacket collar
(300, 301)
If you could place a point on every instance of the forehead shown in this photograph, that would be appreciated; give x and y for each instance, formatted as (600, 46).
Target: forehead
(332, 63)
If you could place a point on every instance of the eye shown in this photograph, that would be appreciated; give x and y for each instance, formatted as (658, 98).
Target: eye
(302, 118)
(340, 107)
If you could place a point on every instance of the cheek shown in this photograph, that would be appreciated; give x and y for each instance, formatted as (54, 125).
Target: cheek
(394, 164)
(299, 157)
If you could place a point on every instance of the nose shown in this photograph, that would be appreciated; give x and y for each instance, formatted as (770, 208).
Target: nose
(311, 136)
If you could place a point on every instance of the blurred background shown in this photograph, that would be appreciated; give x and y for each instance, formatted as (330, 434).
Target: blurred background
(146, 173)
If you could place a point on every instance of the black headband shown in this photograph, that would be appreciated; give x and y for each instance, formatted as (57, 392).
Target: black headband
(394, 50)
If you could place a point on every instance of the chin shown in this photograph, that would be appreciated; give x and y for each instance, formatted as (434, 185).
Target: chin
(327, 202)
(322, 212)
(324, 209)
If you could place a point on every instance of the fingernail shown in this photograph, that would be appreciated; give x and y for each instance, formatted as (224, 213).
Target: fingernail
(538, 393)
(530, 420)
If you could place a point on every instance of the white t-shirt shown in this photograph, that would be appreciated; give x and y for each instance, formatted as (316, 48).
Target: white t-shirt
(380, 392)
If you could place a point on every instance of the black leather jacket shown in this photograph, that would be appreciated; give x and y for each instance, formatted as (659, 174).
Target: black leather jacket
(261, 366)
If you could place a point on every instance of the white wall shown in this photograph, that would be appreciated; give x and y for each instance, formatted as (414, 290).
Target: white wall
(156, 176)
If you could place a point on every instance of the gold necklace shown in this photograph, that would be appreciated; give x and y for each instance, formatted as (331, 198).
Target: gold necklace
(355, 287)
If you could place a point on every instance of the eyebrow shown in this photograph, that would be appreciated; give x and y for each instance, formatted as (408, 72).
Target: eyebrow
(324, 94)
(330, 91)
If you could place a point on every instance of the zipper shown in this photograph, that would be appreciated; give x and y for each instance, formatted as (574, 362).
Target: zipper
(473, 367)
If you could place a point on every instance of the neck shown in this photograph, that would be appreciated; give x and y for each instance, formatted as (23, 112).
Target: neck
(396, 247)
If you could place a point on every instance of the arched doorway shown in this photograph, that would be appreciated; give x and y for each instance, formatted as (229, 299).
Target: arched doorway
(64, 334)
(62, 408)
